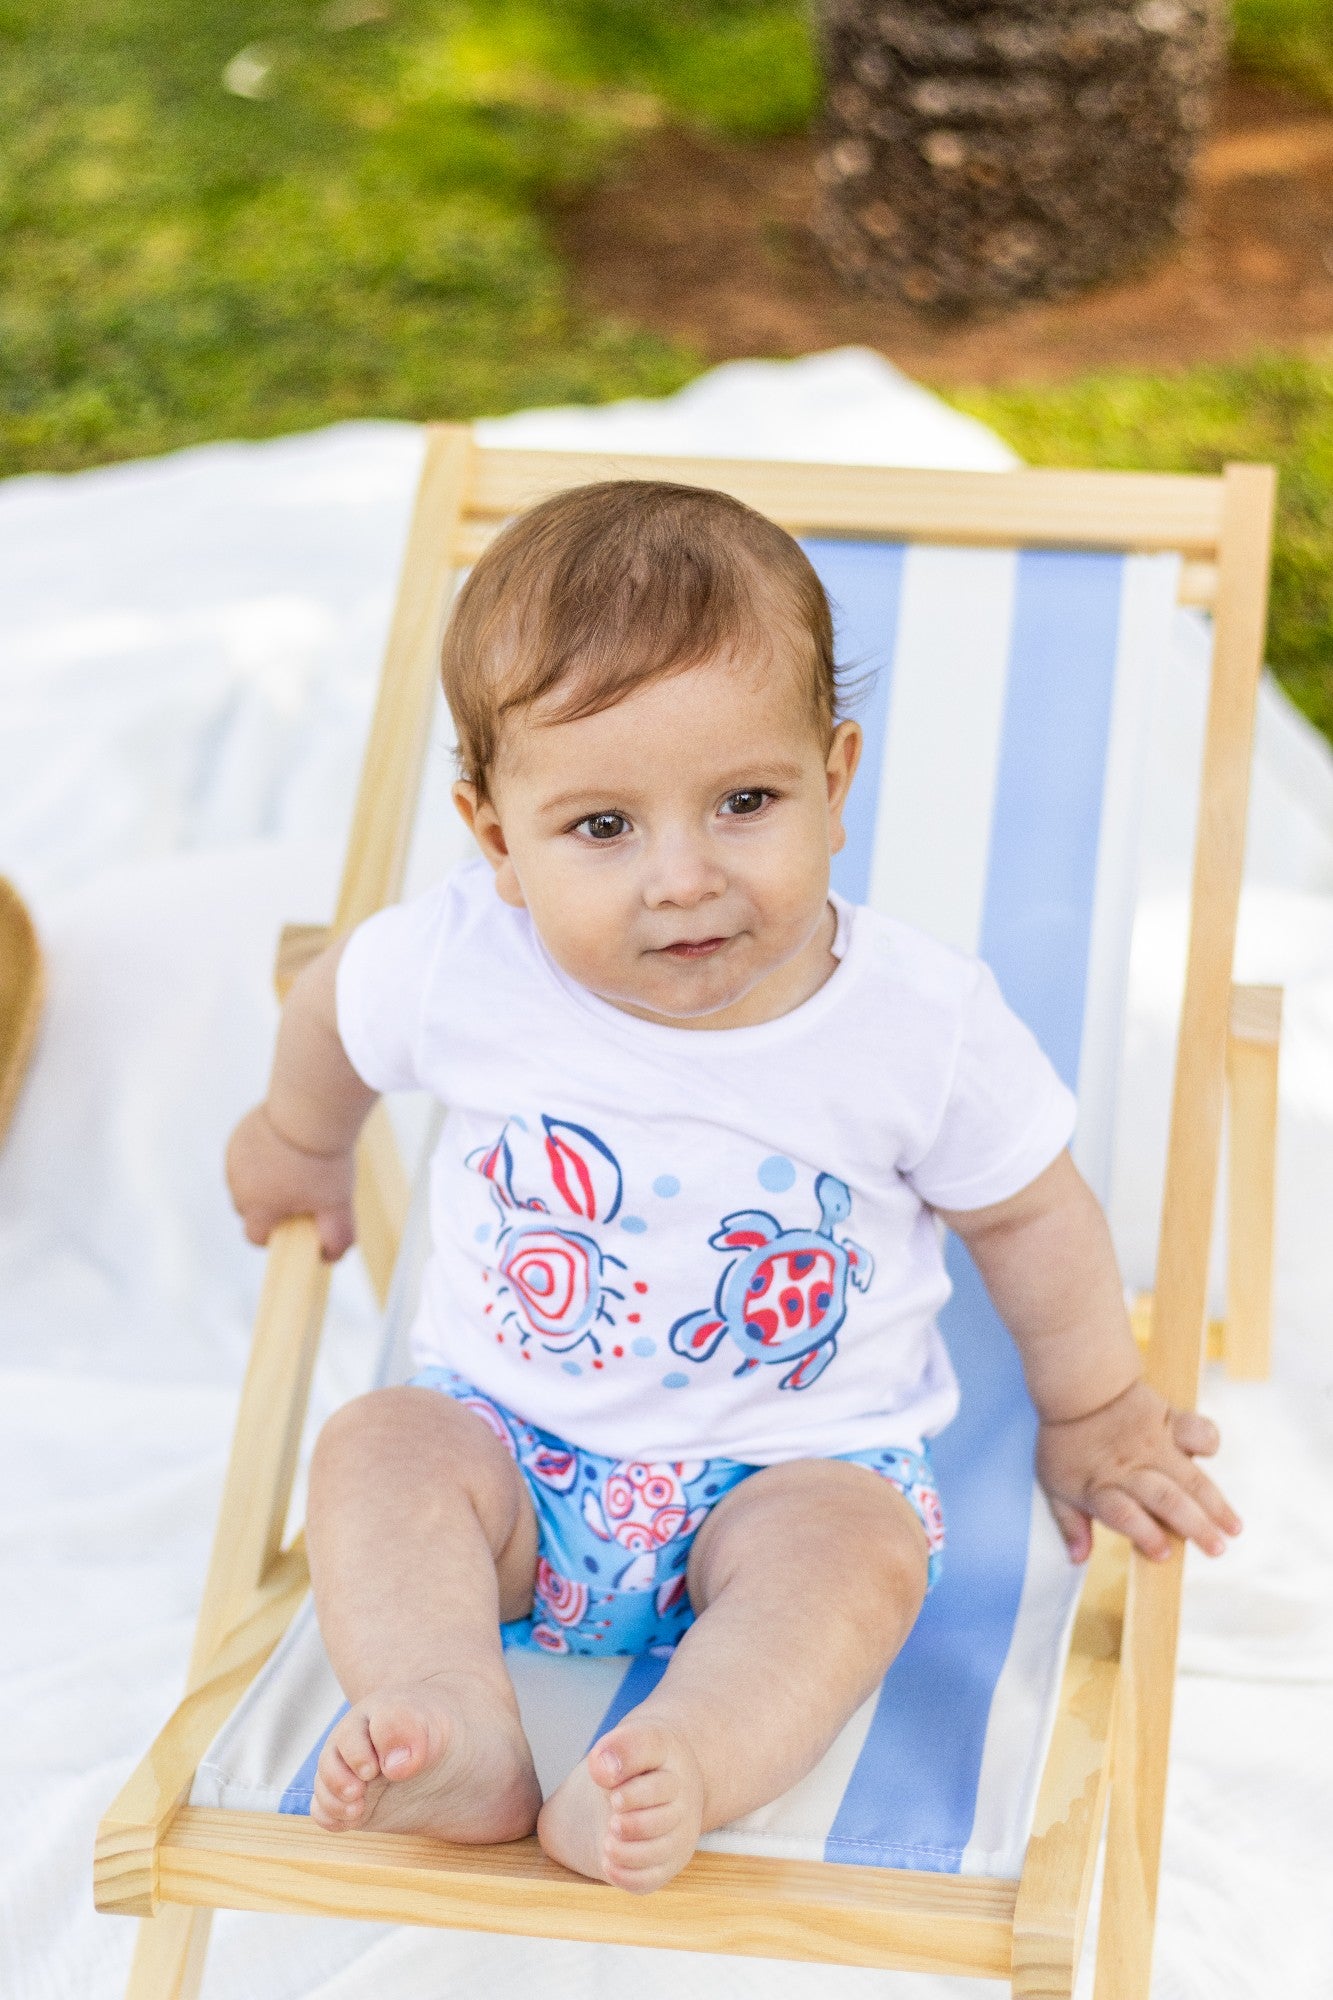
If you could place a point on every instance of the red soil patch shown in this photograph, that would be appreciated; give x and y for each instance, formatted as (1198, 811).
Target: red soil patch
(708, 241)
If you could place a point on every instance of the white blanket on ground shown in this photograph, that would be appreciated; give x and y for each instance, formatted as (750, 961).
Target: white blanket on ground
(187, 655)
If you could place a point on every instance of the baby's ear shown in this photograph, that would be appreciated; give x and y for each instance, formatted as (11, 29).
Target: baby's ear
(843, 757)
(483, 823)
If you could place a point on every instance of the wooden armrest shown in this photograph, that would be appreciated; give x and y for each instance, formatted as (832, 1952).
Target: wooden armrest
(1252, 1089)
(298, 944)
(1242, 1341)
(125, 1864)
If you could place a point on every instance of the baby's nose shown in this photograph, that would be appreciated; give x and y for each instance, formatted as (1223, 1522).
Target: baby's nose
(682, 872)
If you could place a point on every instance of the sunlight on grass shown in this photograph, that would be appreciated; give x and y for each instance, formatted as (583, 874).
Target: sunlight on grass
(250, 218)
(264, 215)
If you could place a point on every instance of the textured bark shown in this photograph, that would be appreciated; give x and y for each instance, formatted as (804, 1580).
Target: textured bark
(977, 153)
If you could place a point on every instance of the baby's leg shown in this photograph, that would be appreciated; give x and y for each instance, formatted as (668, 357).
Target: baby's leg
(421, 1537)
(807, 1578)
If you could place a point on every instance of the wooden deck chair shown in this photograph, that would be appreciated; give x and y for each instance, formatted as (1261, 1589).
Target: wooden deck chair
(21, 988)
(1014, 621)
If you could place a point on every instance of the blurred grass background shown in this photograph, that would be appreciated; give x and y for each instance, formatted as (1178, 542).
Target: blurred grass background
(265, 215)
(1287, 41)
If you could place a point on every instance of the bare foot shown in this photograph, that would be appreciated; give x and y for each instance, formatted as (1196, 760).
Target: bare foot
(444, 1756)
(632, 1811)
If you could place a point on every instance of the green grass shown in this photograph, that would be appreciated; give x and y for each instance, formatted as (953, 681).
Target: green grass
(1276, 408)
(1288, 41)
(361, 235)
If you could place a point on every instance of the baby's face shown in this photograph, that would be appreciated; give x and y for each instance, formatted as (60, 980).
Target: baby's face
(674, 850)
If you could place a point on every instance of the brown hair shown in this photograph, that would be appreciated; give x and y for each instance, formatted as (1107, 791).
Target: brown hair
(604, 588)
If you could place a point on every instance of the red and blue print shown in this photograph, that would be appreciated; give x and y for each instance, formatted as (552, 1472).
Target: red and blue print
(784, 1296)
(555, 1280)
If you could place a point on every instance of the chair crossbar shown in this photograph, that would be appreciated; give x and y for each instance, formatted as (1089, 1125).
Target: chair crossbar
(1089, 510)
(736, 1904)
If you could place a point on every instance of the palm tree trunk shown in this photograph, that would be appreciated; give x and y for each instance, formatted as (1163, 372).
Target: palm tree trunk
(976, 152)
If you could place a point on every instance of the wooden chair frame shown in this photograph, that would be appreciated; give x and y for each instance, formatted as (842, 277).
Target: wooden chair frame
(22, 982)
(171, 1863)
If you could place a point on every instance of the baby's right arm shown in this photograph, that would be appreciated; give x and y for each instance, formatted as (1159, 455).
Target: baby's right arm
(293, 1154)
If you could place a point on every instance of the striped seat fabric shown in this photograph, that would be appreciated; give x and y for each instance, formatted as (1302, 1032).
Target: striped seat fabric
(1006, 699)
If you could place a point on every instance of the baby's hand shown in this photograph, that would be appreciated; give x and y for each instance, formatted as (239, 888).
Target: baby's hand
(271, 1179)
(1131, 1464)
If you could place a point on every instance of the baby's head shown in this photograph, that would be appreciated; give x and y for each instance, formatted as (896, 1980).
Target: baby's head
(643, 684)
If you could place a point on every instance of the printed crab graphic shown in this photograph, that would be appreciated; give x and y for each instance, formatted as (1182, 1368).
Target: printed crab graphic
(785, 1297)
(554, 1279)
(641, 1508)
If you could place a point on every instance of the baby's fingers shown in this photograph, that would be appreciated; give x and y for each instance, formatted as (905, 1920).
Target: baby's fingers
(1183, 1512)
(1121, 1511)
(1196, 1434)
(1200, 1488)
(1076, 1528)
(337, 1231)
(259, 1224)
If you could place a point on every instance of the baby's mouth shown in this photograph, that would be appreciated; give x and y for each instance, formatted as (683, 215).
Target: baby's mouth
(695, 947)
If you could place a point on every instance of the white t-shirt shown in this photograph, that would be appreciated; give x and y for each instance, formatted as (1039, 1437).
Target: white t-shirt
(677, 1243)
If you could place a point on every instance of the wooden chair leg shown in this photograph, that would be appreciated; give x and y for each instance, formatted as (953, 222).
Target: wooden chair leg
(1138, 1780)
(1056, 1883)
(169, 1954)
(1252, 1059)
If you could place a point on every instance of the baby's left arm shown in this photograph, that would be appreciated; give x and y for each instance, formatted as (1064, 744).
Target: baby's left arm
(1109, 1447)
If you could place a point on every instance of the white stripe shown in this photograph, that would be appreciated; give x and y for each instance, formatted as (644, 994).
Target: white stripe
(1022, 1710)
(256, 1754)
(942, 740)
(797, 1824)
(1147, 616)
(561, 1700)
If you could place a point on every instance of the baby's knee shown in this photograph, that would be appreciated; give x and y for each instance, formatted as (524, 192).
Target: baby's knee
(383, 1426)
(413, 1440)
(356, 1431)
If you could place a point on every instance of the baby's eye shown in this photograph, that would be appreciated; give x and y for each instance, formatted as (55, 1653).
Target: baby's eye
(603, 826)
(751, 800)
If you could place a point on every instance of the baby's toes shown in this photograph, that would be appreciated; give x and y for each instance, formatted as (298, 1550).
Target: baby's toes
(651, 1788)
(642, 1866)
(401, 1741)
(351, 1746)
(339, 1796)
(630, 1751)
(648, 1823)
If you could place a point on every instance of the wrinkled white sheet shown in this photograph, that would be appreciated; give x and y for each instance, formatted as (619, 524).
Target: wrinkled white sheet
(187, 655)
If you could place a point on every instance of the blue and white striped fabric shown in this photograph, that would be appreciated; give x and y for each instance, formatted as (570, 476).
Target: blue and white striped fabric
(1006, 704)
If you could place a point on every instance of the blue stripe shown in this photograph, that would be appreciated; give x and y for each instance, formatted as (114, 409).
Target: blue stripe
(1043, 858)
(864, 585)
(645, 1670)
(911, 1800)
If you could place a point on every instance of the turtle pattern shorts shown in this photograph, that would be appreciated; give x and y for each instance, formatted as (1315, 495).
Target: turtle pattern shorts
(614, 1535)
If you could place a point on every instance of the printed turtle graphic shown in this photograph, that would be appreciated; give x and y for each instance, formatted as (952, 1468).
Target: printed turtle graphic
(785, 1297)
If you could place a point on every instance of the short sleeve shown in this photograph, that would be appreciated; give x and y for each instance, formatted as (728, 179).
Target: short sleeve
(382, 980)
(1007, 1114)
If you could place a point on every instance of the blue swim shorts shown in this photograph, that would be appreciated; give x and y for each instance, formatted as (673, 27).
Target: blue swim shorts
(614, 1535)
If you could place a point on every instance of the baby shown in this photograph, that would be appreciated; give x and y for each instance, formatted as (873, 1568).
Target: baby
(676, 1356)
